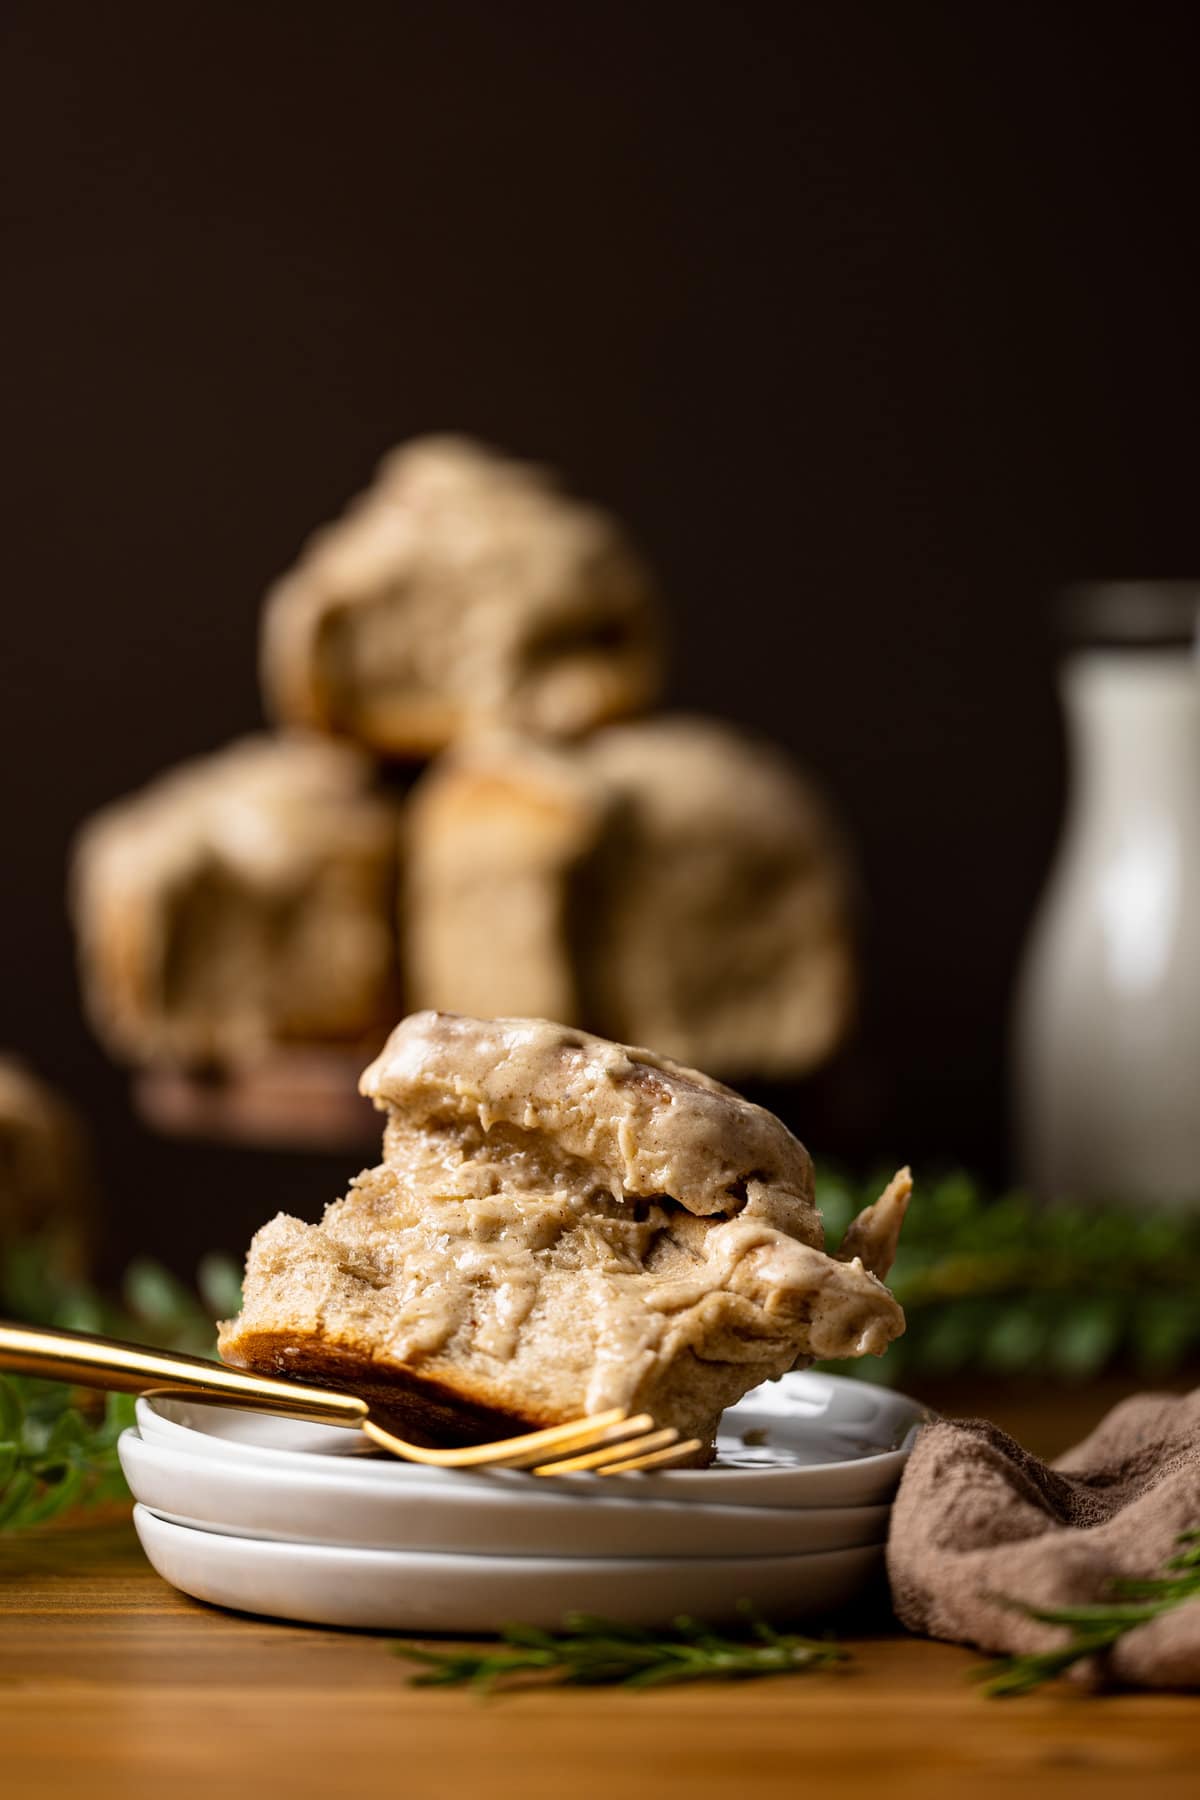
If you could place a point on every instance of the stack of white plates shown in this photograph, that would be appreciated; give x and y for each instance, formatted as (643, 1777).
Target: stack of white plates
(271, 1516)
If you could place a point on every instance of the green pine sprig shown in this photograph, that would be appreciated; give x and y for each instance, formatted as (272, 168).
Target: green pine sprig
(597, 1652)
(1094, 1629)
(1005, 1286)
(53, 1457)
(58, 1447)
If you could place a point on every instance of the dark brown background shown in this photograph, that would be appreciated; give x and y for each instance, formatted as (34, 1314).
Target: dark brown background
(876, 321)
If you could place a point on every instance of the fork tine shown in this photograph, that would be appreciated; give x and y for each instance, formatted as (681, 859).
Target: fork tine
(625, 1436)
(607, 1443)
(607, 1453)
(657, 1459)
(503, 1450)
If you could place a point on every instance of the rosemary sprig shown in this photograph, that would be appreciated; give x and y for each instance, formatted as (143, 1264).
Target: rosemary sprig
(1096, 1628)
(596, 1652)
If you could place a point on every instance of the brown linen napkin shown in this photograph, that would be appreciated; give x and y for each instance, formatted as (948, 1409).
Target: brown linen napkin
(977, 1516)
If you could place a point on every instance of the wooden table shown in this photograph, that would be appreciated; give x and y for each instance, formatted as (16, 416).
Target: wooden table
(112, 1685)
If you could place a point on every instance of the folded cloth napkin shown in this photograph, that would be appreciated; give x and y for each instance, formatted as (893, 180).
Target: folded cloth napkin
(978, 1517)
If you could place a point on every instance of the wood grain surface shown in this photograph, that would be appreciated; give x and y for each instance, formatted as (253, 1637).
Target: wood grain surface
(114, 1686)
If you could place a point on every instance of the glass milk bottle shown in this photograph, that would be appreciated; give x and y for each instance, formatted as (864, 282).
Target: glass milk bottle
(1107, 1041)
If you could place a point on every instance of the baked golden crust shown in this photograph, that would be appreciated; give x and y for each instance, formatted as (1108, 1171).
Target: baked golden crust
(559, 1225)
(670, 882)
(462, 589)
(242, 901)
(461, 1410)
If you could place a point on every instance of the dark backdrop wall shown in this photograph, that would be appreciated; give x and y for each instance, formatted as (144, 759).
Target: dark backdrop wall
(875, 321)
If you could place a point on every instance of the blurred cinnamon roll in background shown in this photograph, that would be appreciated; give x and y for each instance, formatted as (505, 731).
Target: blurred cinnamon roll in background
(462, 588)
(240, 902)
(672, 883)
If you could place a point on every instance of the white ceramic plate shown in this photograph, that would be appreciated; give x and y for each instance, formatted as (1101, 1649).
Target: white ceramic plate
(808, 1440)
(351, 1502)
(394, 1590)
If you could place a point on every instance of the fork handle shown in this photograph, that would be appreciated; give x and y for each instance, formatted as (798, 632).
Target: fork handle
(101, 1362)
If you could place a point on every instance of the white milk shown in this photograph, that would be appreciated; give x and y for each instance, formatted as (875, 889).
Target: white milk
(1108, 1013)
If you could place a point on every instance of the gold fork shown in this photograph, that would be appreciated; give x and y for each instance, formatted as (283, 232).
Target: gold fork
(607, 1443)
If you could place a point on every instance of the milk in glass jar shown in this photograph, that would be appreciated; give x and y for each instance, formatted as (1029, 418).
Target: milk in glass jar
(1107, 1040)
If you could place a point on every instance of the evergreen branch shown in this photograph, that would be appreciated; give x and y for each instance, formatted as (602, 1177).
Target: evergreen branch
(596, 1652)
(1094, 1629)
(52, 1456)
(58, 1447)
(1005, 1285)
